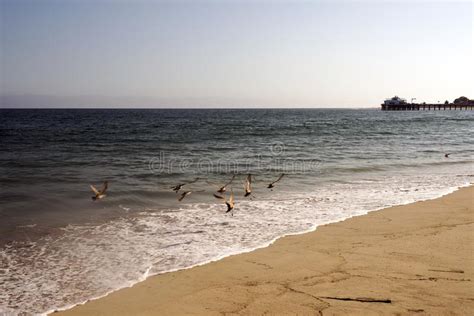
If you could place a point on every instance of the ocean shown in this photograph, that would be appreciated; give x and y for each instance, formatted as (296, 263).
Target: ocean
(59, 248)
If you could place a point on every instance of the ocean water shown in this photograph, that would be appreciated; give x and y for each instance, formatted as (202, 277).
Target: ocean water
(58, 248)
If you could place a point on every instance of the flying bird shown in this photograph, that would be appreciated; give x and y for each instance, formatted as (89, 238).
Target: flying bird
(184, 194)
(230, 203)
(446, 155)
(223, 188)
(217, 196)
(272, 185)
(195, 180)
(99, 194)
(248, 185)
(179, 186)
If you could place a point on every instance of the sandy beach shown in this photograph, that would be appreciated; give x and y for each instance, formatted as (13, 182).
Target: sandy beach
(411, 259)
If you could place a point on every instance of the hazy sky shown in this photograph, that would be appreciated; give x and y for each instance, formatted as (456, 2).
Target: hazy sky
(234, 53)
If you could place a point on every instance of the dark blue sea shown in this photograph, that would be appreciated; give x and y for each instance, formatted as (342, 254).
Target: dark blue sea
(58, 247)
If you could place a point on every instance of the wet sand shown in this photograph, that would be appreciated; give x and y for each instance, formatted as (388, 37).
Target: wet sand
(411, 259)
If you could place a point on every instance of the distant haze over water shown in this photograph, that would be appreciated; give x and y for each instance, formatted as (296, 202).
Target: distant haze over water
(233, 53)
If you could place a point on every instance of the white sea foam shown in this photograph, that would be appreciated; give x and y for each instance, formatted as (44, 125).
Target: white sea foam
(89, 261)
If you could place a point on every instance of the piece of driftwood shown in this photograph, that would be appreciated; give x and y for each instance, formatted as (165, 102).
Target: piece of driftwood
(359, 299)
(448, 271)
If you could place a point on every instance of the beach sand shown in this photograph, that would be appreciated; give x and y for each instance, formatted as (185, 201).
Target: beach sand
(411, 259)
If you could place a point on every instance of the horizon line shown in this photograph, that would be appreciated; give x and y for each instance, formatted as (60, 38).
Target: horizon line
(185, 108)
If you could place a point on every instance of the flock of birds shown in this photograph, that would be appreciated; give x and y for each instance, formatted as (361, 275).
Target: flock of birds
(220, 193)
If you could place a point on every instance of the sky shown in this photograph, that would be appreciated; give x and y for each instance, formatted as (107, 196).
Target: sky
(233, 53)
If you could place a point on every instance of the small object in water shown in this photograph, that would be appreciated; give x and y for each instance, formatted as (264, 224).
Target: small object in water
(248, 185)
(99, 194)
(446, 155)
(271, 185)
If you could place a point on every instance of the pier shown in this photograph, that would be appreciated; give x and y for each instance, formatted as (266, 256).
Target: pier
(427, 107)
(399, 104)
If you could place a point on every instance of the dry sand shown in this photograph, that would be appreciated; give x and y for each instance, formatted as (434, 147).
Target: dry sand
(412, 259)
